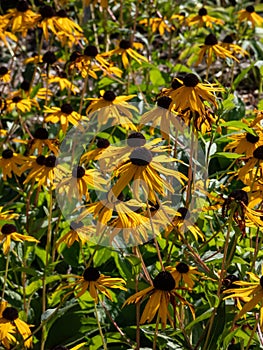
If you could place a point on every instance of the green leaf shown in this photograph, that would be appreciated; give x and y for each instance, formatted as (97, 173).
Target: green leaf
(241, 76)
(239, 125)
(156, 77)
(202, 317)
(228, 155)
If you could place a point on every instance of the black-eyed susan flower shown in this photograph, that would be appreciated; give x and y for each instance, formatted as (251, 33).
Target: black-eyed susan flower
(10, 163)
(22, 18)
(4, 74)
(62, 81)
(162, 117)
(6, 36)
(201, 121)
(7, 214)
(78, 233)
(255, 160)
(162, 293)
(9, 233)
(238, 203)
(94, 282)
(41, 140)
(64, 115)
(211, 49)
(245, 142)
(20, 103)
(67, 26)
(191, 93)
(202, 19)
(228, 43)
(77, 184)
(110, 106)
(158, 23)
(90, 62)
(11, 325)
(43, 170)
(181, 224)
(184, 274)
(144, 169)
(125, 49)
(94, 151)
(249, 15)
(47, 20)
(251, 292)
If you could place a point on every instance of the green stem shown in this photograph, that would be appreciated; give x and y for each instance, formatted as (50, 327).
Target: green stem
(99, 326)
(6, 273)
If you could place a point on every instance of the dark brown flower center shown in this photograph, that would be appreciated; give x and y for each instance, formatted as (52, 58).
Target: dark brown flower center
(16, 99)
(25, 85)
(49, 57)
(50, 161)
(141, 156)
(91, 51)
(22, 6)
(164, 281)
(103, 143)
(66, 108)
(10, 314)
(250, 9)
(228, 281)
(184, 213)
(41, 160)
(7, 154)
(202, 12)
(41, 134)
(190, 80)
(109, 96)
(78, 172)
(74, 225)
(228, 39)
(7, 229)
(164, 102)
(62, 74)
(182, 267)
(91, 274)
(136, 139)
(239, 196)
(62, 13)
(261, 281)
(176, 84)
(125, 44)
(211, 40)
(47, 12)
(252, 138)
(3, 70)
(258, 153)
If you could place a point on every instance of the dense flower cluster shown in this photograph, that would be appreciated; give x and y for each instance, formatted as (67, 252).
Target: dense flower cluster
(131, 175)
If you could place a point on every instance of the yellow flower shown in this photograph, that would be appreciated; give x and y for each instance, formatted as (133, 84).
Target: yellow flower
(95, 153)
(10, 325)
(10, 163)
(88, 63)
(144, 169)
(204, 20)
(64, 83)
(162, 117)
(22, 104)
(255, 160)
(77, 233)
(110, 106)
(183, 274)
(252, 292)
(212, 48)
(41, 140)
(94, 282)
(5, 74)
(4, 215)
(201, 121)
(76, 184)
(159, 23)
(181, 224)
(228, 44)
(250, 15)
(22, 18)
(4, 35)
(161, 294)
(245, 143)
(125, 49)
(190, 93)
(63, 115)
(9, 234)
